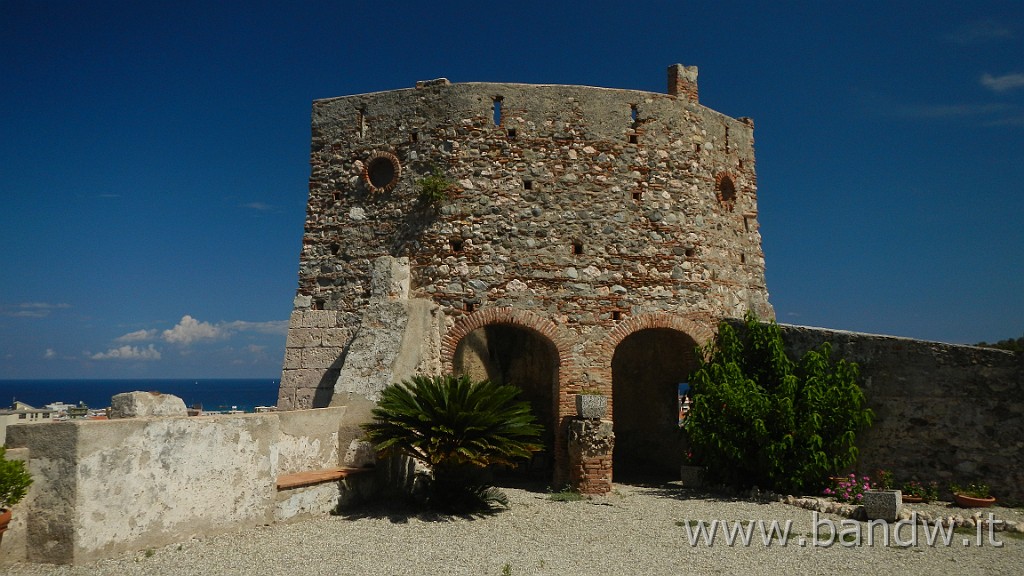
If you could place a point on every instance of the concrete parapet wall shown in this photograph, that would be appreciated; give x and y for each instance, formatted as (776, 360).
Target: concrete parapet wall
(106, 487)
(943, 412)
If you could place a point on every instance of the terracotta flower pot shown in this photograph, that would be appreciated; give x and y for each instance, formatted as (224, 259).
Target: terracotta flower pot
(965, 501)
(5, 520)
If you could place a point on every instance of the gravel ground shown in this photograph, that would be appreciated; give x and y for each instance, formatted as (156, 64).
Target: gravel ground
(636, 530)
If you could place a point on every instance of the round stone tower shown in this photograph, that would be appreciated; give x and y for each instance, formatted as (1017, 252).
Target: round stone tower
(552, 237)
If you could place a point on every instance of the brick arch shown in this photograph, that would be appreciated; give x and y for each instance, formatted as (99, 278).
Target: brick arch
(568, 372)
(507, 315)
(726, 190)
(700, 333)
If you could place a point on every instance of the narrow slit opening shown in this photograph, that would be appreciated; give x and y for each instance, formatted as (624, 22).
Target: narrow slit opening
(577, 248)
(497, 111)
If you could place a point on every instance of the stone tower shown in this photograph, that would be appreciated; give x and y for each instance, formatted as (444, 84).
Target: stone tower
(587, 238)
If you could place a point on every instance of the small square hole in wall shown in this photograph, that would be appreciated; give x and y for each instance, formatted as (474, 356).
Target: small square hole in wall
(690, 252)
(337, 196)
(616, 315)
(335, 248)
(319, 304)
(743, 258)
(469, 306)
(577, 248)
(414, 137)
(527, 184)
(633, 139)
(456, 244)
(638, 196)
(511, 133)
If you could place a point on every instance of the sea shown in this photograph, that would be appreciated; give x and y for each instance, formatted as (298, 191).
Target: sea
(210, 394)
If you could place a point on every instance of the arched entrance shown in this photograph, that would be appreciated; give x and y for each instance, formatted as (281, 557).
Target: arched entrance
(512, 354)
(647, 368)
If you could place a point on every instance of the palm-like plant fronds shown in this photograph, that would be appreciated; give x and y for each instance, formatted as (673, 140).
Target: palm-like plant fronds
(455, 425)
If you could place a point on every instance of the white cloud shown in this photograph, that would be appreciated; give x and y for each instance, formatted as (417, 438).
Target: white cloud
(32, 309)
(50, 353)
(981, 31)
(260, 206)
(954, 110)
(127, 352)
(279, 327)
(190, 330)
(137, 336)
(1002, 83)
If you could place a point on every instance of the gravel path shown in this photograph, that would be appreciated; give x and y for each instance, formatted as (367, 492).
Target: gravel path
(637, 530)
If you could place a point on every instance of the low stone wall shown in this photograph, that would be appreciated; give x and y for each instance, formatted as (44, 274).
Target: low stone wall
(943, 412)
(106, 487)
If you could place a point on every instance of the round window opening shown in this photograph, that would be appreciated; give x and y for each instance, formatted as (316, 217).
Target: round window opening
(381, 172)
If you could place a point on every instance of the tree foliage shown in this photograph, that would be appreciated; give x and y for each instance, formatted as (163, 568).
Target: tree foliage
(459, 428)
(14, 480)
(1011, 344)
(760, 418)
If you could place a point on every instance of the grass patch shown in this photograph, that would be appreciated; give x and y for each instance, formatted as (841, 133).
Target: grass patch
(565, 495)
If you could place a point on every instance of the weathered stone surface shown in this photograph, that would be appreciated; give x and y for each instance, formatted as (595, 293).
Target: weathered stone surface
(882, 504)
(138, 404)
(177, 477)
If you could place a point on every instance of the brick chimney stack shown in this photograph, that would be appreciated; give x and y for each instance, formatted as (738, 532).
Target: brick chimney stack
(682, 82)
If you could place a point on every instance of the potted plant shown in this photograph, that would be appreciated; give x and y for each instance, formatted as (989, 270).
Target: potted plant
(974, 495)
(915, 491)
(591, 404)
(14, 483)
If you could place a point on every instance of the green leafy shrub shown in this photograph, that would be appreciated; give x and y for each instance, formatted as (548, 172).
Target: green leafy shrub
(14, 480)
(435, 187)
(761, 419)
(459, 428)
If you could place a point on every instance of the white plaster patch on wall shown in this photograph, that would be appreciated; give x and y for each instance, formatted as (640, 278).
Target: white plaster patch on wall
(173, 475)
(298, 453)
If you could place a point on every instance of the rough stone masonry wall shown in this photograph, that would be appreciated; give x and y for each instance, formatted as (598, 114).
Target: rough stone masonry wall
(943, 412)
(579, 210)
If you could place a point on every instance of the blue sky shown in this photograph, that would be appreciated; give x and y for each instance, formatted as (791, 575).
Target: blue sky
(154, 156)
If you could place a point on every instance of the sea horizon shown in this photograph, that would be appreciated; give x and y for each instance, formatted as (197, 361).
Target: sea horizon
(209, 393)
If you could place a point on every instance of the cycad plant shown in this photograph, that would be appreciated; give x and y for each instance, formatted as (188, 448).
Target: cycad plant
(459, 428)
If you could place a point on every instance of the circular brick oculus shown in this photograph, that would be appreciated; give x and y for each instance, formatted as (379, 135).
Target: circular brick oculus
(381, 171)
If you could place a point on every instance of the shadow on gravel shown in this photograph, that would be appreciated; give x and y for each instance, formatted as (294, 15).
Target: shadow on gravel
(400, 509)
(675, 490)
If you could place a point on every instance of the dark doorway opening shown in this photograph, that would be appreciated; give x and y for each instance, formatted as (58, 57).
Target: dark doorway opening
(647, 368)
(508, 354)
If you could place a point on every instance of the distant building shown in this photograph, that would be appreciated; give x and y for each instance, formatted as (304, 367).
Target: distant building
(22, 413)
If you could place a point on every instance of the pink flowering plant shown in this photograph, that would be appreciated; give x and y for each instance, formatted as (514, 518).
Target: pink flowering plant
(849, 489)
(926, 492)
